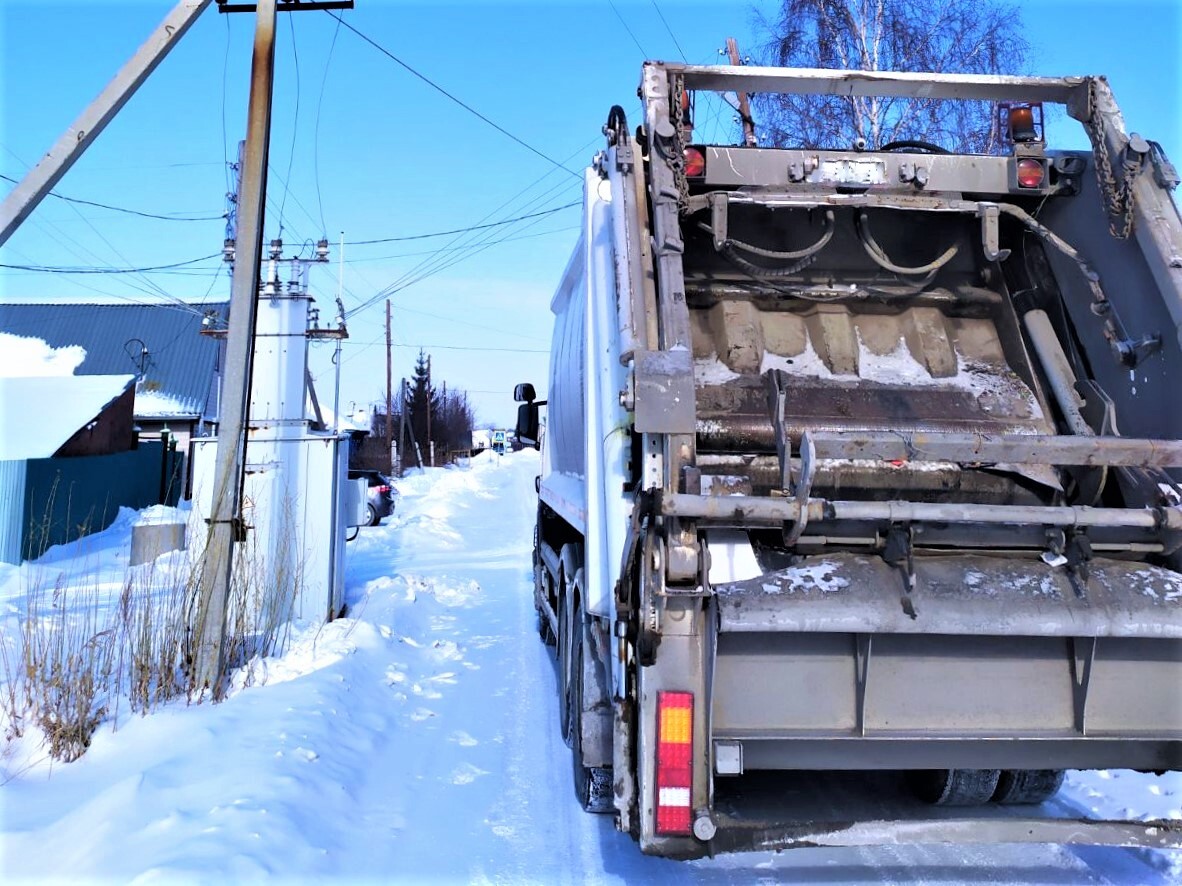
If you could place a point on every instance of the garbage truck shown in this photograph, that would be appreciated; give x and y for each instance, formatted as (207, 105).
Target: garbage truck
(862, 462)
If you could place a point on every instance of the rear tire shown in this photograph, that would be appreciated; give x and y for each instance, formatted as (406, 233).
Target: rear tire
(541, 596)
(564, 660)
(954, 787)
(1028, 786)
(544, 631)
(593, 784)
(372, 514)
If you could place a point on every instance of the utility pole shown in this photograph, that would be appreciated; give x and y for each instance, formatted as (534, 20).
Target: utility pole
(226, 526)
(389, 394)
(749, 139)
(225, 523)
(430, 442)
(401, 423)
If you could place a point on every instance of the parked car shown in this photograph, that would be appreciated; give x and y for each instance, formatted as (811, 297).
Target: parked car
(381, 494)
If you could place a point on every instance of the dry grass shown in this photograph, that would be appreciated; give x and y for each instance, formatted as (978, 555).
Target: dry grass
(82, 649)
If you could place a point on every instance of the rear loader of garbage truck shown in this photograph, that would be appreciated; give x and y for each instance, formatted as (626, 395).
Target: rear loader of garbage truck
(864, 459)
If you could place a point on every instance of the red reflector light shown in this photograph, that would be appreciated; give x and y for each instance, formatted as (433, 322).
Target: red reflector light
(695, 163)
(1030, 173)
(675, 762)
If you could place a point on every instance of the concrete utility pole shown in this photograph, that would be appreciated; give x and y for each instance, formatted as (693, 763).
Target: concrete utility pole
(39, 181)
(749, 138)
(225, 523)
(226, 526)
(389, 393)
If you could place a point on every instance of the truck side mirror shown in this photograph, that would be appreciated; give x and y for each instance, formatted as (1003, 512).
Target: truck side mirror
(527, 424)
(524, 393)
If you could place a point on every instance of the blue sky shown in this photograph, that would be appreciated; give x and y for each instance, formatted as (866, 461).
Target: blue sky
(362, 146)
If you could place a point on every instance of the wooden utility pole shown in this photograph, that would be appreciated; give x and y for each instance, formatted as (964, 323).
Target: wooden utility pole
(389, 394)
(430, 442)
(732, 49)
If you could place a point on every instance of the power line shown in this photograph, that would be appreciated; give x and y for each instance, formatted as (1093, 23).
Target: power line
(52, 269)
(447, 249)
(670, 30)
(507, 221)
(295, 125)
(316, 134)
(435, 263)
(453, 98)
(628, 29)
(123, 209)
(453, 347)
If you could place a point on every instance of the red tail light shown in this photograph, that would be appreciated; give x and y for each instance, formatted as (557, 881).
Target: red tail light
(675, 762)
(382, 490)
(1031, 172)
(695, 163)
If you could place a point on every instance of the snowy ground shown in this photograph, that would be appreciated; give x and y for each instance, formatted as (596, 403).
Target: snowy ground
(417, 741)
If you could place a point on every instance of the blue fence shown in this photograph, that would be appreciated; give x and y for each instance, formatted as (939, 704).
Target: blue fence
(67, 498)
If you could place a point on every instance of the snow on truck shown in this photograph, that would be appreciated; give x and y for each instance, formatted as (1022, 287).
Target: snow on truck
(865, 459)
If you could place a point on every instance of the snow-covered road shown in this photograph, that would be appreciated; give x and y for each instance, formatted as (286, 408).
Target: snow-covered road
(416, 740)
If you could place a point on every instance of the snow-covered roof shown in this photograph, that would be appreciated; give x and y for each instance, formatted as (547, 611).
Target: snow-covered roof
(161, 343)
(39, 414)
(22, 356)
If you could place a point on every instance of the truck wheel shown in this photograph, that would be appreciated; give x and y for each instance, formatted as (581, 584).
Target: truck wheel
(564, 660)
(954, 787)
(1018, 786)
(593, 784)
(544, 631)
(541, 593)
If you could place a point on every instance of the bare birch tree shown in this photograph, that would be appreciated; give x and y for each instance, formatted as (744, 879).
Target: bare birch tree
(939, 36)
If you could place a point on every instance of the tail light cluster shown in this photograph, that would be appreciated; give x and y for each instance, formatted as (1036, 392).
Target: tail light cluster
(675, 764)
(381, 490)
(1031, 172)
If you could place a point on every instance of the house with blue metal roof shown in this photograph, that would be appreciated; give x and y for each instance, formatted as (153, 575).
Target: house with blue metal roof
(168, 347)
(69, 458)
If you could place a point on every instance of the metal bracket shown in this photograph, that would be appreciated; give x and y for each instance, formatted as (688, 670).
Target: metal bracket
(1164, 172)
(799, 485)
(1130, 353)
(1079, 556)
(802, 486)
(718, 219)
(898, 552)
(862, 675)
(238, 527)
(990, 239)
(1083, 654)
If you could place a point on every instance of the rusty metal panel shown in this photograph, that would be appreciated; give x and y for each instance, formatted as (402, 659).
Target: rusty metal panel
(665, 392)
